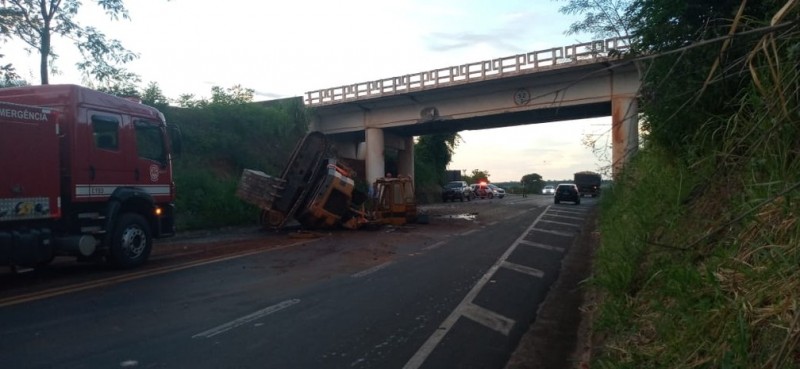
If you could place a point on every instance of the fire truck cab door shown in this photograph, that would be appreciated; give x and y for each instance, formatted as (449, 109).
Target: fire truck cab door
(109, 161)
(151, 158)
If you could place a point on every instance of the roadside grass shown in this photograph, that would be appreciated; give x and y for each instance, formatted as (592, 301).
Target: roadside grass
(207, 200)
(699, 263)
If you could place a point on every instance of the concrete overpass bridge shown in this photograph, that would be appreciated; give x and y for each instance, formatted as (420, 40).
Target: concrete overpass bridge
(586, 80)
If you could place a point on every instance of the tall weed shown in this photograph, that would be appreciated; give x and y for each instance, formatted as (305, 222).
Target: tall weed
(706, 274)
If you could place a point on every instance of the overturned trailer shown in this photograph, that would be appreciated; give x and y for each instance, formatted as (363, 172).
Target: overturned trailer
(318, 190)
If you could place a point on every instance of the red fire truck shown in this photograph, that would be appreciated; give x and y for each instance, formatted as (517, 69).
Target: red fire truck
(82, 173)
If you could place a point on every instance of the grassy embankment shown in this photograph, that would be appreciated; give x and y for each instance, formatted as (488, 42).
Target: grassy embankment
(699, 264)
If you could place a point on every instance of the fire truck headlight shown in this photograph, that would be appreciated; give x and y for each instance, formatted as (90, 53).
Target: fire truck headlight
(157, 211)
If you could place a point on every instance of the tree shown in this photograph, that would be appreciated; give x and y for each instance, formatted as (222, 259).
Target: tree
(153, 96)
(122, 90)
(477, 175)
(232, 95)
(436, 151)
(9, 76)
(702, 81)
(36, 22)
(602, 18)
(432, 153)
(532, 183)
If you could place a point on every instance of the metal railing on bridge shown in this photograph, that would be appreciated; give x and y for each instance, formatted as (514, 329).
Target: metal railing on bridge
(558, 57)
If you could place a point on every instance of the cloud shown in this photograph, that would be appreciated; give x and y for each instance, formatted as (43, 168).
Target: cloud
(440, 42)
(268, 95)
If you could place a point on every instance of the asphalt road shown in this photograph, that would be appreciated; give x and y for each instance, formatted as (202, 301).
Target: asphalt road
(458, 292)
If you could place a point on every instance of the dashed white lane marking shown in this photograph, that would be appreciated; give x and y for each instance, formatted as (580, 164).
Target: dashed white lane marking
(468, 232)
(489, 318)
(425, 350)
(523, 269)
(564, 216)
(371, 270)
(561, 223)
(567, 213)
(541, 246)
(435, 245)
(570, 211)
(557, 233)
(246, 319)
(493, 223)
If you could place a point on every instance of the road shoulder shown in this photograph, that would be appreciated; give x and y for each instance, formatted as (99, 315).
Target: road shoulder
(558, 336)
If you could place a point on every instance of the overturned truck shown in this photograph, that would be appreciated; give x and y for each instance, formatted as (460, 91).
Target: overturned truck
(318, 190)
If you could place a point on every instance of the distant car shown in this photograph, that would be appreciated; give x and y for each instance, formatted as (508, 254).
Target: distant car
(548, 190)
(567, 192)
(497, 191)
(457, 190)
(482, 190)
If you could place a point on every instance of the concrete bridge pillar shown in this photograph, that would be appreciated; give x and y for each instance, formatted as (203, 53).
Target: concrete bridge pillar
(624, 131)
(374, 160)
(405, 157)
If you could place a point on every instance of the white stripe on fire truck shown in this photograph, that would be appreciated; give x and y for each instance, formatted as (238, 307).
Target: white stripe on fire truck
(84, 191)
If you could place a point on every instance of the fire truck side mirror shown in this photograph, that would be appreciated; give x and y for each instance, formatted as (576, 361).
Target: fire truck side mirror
(175, 140)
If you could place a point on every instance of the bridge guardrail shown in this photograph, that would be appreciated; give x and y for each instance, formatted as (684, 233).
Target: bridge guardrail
(587, 52)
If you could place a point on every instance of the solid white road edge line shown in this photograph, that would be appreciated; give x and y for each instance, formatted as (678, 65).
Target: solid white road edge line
(419, 357)
(246, 319)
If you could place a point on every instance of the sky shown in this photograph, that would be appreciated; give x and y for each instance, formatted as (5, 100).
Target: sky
(283, 49)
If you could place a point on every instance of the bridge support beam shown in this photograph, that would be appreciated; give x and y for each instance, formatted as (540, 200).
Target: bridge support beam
(405, 157)
(624, 131)
(374, 162)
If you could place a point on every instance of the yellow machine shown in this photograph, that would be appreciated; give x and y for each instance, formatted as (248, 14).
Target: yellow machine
(395, 203)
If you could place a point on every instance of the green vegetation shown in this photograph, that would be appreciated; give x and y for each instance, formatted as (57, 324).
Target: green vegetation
(699, 264)
(477, 175)
(432, 153)
(221, 137)
(532, 183)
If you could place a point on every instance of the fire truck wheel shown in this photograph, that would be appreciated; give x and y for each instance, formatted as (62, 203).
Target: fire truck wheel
(131, 243)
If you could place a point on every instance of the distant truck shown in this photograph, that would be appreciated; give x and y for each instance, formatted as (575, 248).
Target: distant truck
(317, 190)
(452, 175)
(84, 174)
(588, 183)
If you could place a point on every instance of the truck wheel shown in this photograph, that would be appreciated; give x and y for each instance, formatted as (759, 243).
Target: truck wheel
(131, 242)
(271, 219)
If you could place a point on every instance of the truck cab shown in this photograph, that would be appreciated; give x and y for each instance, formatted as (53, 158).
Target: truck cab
(103, 164)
